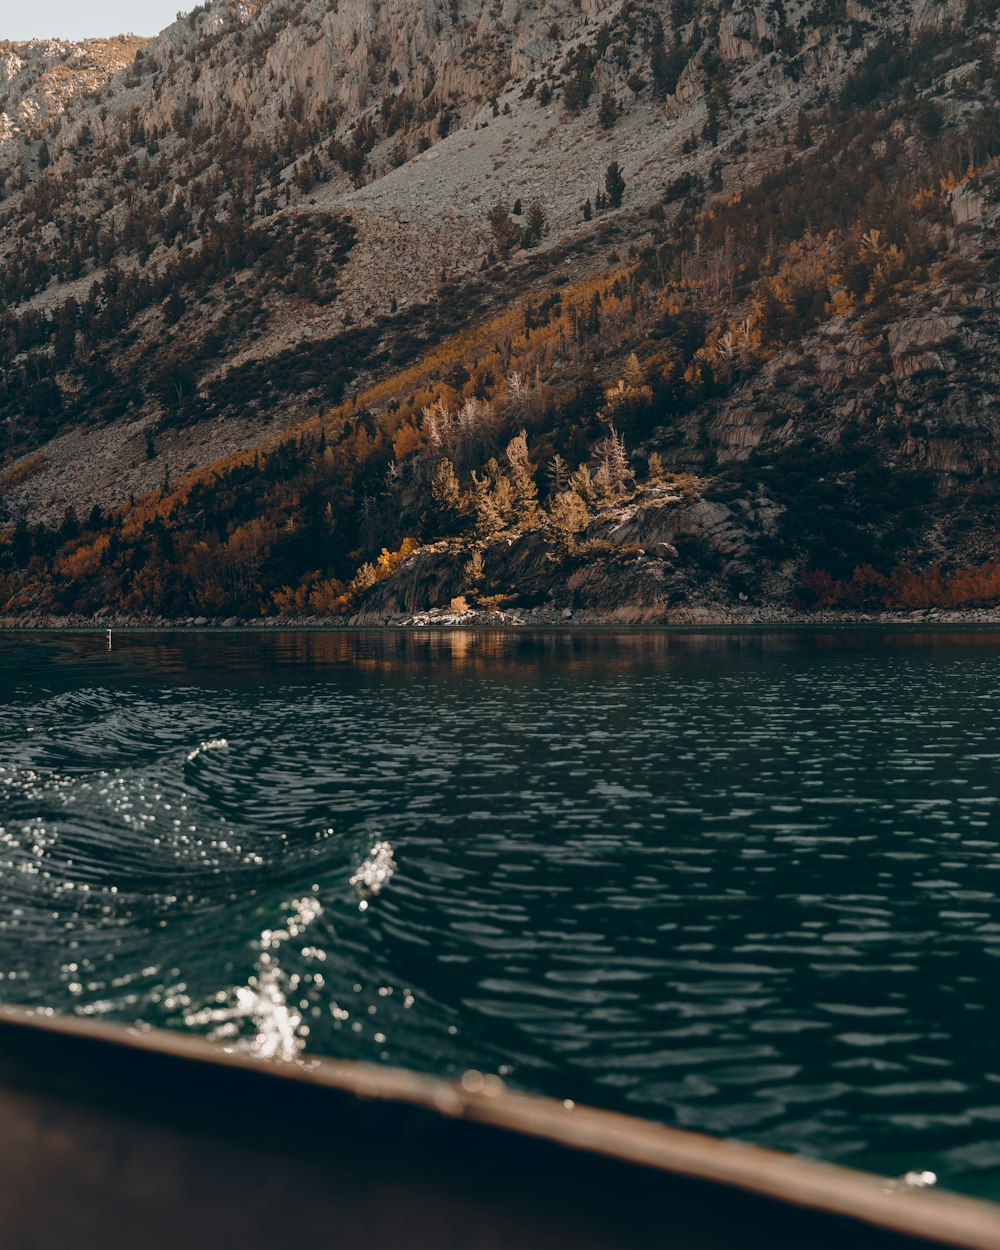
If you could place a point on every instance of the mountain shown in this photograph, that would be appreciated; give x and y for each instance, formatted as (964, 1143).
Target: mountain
(41, 78)
(633, 308)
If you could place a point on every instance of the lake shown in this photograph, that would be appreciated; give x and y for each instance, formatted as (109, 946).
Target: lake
(741, 882)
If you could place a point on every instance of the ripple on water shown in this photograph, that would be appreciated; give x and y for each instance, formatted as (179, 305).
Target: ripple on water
(746, 890)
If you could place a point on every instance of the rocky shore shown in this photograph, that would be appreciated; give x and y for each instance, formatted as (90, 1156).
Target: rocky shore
(693, 617)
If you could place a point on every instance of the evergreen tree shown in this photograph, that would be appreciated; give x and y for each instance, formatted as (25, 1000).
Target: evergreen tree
(484, 507)
(667, 67)
(614, 184)
(593, 322)
(525, 492)
(568, 515)
(21, 543)
(578, 88)
(505, 231)
(445, 498)
(444, 485)
(582, 484)
(634, 375)
(536, 224)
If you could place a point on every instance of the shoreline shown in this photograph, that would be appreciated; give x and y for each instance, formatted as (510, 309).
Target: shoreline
(513, 621)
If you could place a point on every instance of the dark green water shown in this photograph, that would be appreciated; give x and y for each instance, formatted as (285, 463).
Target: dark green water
(748, 884)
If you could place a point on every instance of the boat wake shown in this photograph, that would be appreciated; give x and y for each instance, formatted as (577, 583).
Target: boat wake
(259, 1016)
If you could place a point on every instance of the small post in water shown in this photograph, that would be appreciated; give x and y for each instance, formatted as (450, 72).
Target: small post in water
(109, 639)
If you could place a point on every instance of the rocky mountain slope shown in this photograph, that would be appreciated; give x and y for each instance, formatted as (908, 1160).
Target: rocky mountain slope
(40, 79)
(293, 283)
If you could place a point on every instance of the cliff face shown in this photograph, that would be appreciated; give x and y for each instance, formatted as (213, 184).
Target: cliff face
(332, 216)
(642, 562)
(344, 57)
(259, 65)
(926, 379)
(40, 79)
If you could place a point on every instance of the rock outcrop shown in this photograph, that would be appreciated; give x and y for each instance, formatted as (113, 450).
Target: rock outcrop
(41, 79)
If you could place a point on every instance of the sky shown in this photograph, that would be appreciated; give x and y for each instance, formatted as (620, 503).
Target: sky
(69, 19)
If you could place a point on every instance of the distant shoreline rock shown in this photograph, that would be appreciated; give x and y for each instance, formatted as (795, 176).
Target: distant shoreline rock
(695, 617)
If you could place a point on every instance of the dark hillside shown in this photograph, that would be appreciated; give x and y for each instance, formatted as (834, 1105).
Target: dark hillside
(761, 373)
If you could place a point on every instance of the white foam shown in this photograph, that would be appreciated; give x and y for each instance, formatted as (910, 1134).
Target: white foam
(213, 744)
(280, 1032)
(374, 872)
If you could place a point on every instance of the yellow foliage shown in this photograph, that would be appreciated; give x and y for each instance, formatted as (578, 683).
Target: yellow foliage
(291, 600)
(389, 561)
(406, 441)
(20, 472)
(84, 560)
(329, 598)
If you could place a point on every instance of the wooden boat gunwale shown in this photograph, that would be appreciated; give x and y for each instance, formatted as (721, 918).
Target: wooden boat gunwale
(930, 1216)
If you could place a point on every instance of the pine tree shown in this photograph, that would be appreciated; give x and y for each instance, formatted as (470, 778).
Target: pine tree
(536, 223)
(634, 374)
(568, 514)
(603, 487)
(364, 579)
(613, 474)
(502, 493)
(505, 231)
(444, 485)
(525, 492)
(578, 88)
(517, 456)
(446, 498)
(582, 484)
(593, 323)
(607, 115)
(21, 543)
(484, 506)
(614, 184)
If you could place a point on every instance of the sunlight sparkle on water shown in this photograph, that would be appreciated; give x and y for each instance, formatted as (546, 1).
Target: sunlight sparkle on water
(374, 872)
(214, 744)
(742, 885)
(280, 1031)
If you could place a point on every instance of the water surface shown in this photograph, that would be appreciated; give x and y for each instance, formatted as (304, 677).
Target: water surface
(742, 883)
